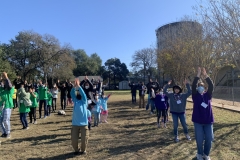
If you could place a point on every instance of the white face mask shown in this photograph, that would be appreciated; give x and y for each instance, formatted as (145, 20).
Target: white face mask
(96, 97)
(86, 87)
(161, 92)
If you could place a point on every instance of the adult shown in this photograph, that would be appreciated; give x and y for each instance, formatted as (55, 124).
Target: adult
(142, 89)
(69, 98)
(178, 102)
(63, 93)
(55, 96)
(17, 83)
(155, 86)
(99, 86)
(133, 87)
(79, 118)
(202, 116)
(42, 89)
(87, 87)
(6, 93)
(24, 108)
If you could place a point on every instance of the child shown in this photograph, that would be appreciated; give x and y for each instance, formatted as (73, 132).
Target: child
(161, 103)
(104, 113)
(33, 98)
(49, 102)
(178, 101)
(96, 111)
(89, 115)
(24, 108)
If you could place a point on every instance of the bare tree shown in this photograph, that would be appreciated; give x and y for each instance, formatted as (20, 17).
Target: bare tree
(222, 17)
(144, 60)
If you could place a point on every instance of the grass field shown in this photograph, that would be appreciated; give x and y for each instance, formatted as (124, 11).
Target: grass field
(131, 134)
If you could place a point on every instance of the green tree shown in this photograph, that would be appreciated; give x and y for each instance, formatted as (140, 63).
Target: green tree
(116, 70)
(6, 66)
(86, 65)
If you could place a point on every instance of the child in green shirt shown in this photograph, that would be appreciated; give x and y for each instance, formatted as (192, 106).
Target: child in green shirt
(49, 102)
(33, 98)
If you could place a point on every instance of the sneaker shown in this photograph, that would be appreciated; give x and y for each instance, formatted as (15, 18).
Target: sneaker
(35, 122)
(199, 157)
(188, 137)
(30, 122)
(8, 135)
(25, 128)
(83, 153)
(165, 126)
(40, 117)
(205, 157)
(45, 117)
(106, 121)
(3, 135)
(76, 152)
(176, 139)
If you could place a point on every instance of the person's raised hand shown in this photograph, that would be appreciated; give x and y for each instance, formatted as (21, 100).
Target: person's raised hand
(169, 82)
(199, 72)
(204, 73)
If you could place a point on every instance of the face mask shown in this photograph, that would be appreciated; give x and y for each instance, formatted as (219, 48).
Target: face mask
(96, 97)
(200, 89)
(86, 87)
(161, 92)
(94, 87)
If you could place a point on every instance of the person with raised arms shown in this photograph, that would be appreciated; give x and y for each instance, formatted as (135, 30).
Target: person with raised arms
(178, 102)
(79, 118)
(202, 115)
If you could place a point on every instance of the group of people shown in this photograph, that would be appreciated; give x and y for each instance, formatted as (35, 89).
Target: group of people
(163, 100)
(86, 98)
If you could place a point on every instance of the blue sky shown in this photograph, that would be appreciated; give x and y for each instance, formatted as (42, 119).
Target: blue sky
(110, 28)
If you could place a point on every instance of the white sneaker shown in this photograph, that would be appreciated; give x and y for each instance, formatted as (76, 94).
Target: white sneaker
(205, 157)
(188, 137)
(165, 126)
(176, 139)
(199, 157)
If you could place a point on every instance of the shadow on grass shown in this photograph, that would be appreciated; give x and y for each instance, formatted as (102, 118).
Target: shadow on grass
(37, 140)
(58, 157)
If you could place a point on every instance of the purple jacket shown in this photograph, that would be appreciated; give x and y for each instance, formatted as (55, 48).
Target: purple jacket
(201, 114)
(159, 103)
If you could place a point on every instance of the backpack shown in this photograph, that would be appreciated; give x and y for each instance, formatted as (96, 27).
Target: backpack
(27, 102)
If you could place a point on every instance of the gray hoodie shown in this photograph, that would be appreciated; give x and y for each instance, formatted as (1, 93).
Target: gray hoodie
(177, 101)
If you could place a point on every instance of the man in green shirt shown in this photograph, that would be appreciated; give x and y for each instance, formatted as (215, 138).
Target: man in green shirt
(6, 93)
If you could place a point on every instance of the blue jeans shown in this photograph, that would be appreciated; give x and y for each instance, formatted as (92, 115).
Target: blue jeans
(44, 103)
(23, 119)
(5, 121)
(96, 118)
(175, 123)
(204, 132)
(150, 102)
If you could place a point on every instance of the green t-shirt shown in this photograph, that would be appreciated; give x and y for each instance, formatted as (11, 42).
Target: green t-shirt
(6, 97)
(43, 93)
(49, 102)
(23, 108)
(34, 99)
